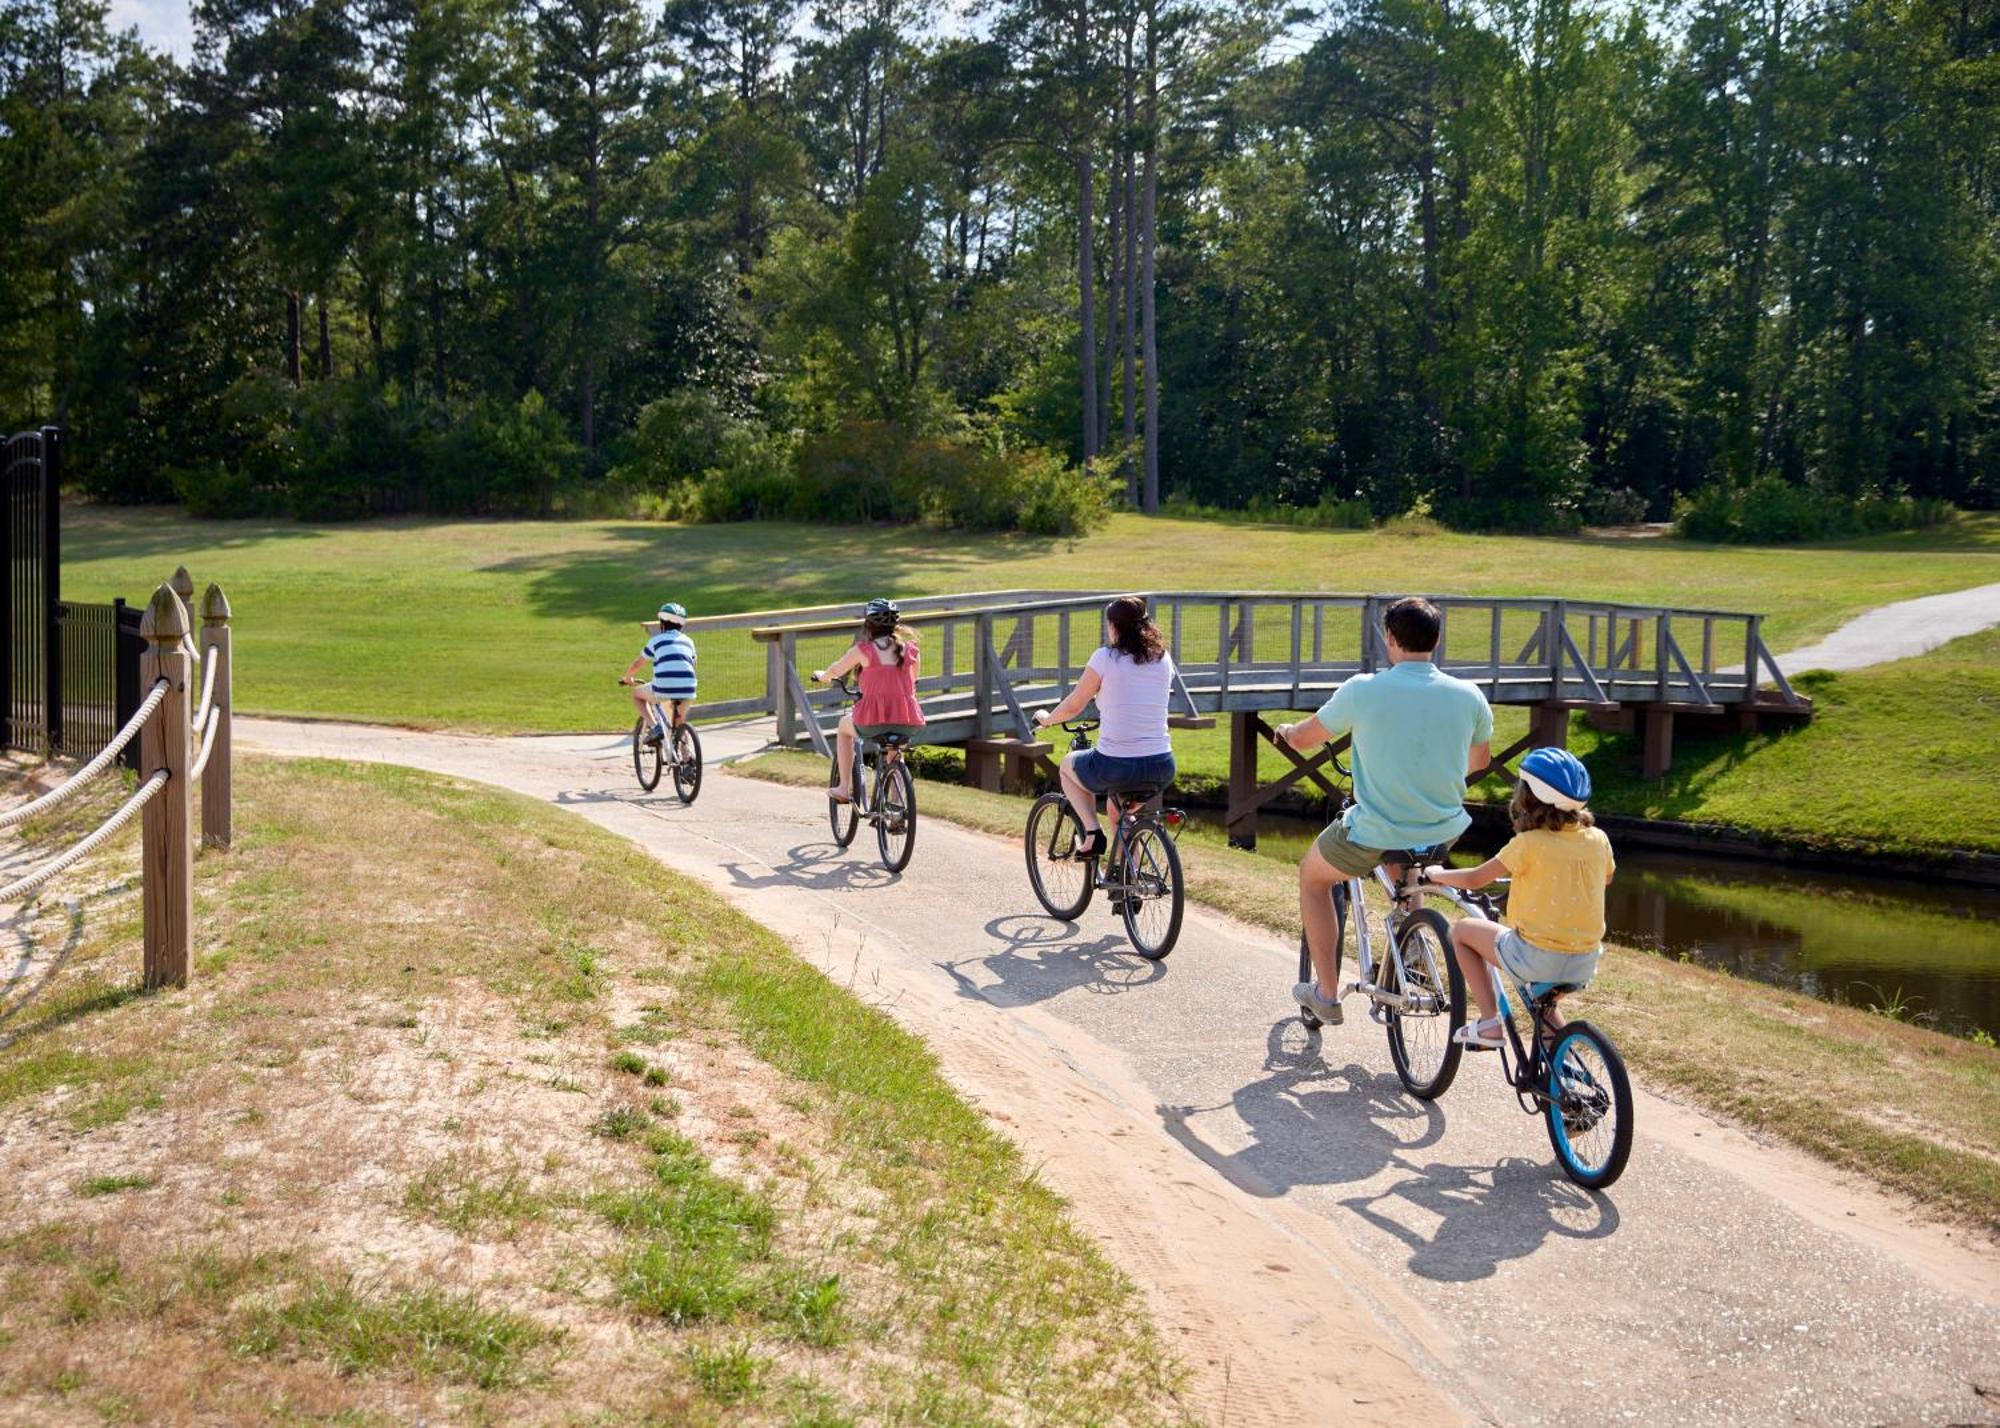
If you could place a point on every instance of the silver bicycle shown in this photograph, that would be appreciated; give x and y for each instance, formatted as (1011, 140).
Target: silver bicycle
(1413, 985)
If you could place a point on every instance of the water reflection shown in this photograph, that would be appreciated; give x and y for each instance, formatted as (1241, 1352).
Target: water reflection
(1866, 941)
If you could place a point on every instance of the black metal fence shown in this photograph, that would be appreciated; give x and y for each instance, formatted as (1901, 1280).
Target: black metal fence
(31, 688)
(69, 673)
(100, 675)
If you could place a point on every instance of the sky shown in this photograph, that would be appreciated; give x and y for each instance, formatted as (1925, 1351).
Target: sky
(163, 24)
(168, 25)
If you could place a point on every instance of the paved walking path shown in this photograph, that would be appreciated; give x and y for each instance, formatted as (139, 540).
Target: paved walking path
(1900, 631)
(1322, 1248)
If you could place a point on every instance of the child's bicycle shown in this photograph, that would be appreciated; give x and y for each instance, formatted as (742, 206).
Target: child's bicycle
(1144, 867)
(651, 758)
(1569, 1074)
(892, 805)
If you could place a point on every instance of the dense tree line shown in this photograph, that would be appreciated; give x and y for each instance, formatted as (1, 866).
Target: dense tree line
(1518, 262)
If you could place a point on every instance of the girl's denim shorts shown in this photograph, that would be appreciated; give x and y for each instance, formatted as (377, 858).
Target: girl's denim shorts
(1100, 773)
(1525, 962)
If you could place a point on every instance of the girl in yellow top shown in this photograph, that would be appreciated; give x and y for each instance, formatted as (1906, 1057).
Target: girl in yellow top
(1560, 862)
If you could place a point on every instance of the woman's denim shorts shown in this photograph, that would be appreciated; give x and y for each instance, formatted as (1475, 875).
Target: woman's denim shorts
(1100, 773)
(1526, 962)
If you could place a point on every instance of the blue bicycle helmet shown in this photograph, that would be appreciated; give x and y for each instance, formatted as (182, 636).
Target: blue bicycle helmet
(673, 614)
(1557, 776)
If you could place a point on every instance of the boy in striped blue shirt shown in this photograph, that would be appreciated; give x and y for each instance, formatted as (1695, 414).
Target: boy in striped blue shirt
(670, 653)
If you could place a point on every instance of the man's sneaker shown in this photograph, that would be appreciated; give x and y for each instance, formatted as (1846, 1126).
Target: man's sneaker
(1479, 1035)
(1327, 1009)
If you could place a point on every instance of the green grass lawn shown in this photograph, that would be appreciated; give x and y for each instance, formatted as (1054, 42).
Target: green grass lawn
(523, 625)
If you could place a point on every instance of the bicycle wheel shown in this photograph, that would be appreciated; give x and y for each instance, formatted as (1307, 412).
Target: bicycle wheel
(1060, 876)
(1589, 1111)
(647, 759)
(687, 763)
(1350, 956)
(1421, 968)
(1153, 897)
(845, 817)
(896, 816)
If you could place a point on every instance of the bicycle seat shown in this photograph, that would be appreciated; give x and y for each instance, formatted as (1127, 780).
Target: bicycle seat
(1139, 792)
(894, 741)
(1418, 857)
(1541, 991)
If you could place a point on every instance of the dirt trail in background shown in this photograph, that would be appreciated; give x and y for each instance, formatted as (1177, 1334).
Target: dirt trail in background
(1323, 1248)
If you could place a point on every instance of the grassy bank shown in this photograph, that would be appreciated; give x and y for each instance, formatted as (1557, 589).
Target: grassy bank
(475, 1113)
(1910, 1108)
(521, 626)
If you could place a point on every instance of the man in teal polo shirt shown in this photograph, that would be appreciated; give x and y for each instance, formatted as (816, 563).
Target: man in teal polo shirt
(1418, 733)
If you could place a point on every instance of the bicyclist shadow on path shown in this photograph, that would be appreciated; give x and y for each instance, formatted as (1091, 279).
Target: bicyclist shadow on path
(1040, 959)
(1310, 1123)
(819, 867)
(1484, 1214)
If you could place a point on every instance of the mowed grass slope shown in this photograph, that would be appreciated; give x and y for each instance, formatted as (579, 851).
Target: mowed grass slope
(522, 626)
(1907, 1107)
(474, 1113)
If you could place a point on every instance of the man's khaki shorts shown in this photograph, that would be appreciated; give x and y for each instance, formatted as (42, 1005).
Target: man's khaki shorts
(1346, 855)
(1350, 857)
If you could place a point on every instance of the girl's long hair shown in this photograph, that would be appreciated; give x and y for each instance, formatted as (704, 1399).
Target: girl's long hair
(1529, 813)
(894, 640)
(1132, 629)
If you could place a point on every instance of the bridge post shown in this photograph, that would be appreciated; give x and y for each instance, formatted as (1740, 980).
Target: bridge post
(778, 687)
(1549, 726)
(1243, 742)
(1659, 748)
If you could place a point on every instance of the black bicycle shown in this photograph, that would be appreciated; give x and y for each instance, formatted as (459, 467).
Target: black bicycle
(678, 748)
(891, 805)
(1144, 867)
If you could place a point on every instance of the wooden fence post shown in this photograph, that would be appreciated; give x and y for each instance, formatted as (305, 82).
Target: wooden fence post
(167, 852)
(216, 821)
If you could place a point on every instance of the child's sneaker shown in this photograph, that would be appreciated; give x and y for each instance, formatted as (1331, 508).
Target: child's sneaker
(654, 736)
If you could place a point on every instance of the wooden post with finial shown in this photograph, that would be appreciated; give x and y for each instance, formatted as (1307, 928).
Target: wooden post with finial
(216, 822)
(182, 584)
(167, 852)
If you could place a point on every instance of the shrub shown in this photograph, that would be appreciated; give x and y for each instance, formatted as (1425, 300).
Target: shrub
(878, 471)
(1772, 511)
(1352, 514)
(679, 438)
(1613, 506)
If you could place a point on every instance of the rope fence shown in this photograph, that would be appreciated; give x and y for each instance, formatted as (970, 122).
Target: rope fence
(76, 783)
(179, 749)
(83, 848)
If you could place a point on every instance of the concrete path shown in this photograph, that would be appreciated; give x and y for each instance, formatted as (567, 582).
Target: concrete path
(1322, 1248)
(1900, 631)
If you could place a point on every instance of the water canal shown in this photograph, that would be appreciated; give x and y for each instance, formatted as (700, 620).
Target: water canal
(1931, 950)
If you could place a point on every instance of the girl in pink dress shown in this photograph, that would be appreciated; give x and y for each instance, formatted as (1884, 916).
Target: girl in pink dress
(886, 654)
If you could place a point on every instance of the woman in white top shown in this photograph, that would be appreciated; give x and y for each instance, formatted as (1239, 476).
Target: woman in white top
(1131, 677)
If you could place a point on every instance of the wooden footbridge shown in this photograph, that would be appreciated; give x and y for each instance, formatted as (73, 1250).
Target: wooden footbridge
(991, 660)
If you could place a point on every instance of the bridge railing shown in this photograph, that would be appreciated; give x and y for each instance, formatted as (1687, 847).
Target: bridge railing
(985, 669)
